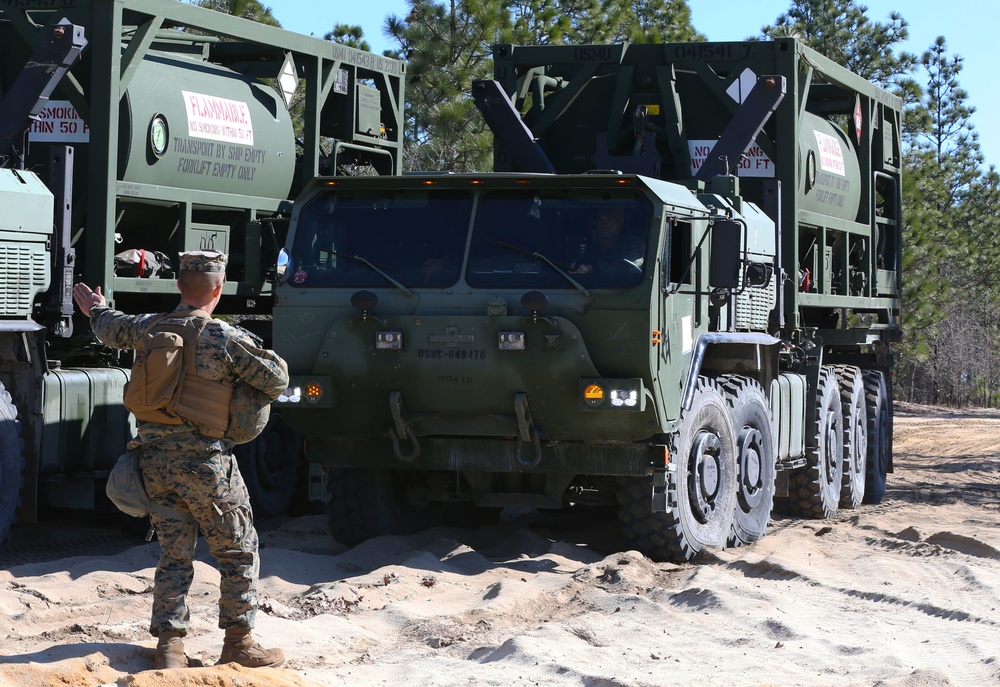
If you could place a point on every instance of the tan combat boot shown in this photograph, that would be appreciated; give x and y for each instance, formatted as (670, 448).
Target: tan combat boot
(239, 647)
(170, 652)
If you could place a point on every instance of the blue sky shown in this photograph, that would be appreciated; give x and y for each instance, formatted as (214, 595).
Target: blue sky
(968, 25)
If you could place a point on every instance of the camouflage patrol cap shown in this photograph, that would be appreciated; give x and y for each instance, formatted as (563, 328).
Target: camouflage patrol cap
(204, 261)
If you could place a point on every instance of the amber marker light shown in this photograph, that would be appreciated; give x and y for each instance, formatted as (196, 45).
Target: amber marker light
(623, 182)
(656, 337)
(593, 395)
(314, 391)
(429, 182)
(666, 456)
(476, 182)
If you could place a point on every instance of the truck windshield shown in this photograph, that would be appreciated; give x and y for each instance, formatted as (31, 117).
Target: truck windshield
(524, 238)
(415, 237)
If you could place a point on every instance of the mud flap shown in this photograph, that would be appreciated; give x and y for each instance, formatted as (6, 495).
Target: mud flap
(661, 502)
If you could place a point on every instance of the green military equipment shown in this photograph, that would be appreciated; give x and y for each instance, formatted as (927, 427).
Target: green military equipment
(676, 293)
(151, 128)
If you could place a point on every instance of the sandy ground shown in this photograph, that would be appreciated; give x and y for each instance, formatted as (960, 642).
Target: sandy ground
(903, 594)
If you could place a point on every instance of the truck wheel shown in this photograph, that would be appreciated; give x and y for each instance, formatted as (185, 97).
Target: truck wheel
(370, 503)
(271, 465)
(814, 490)
(756, 456)
(877, 411)
(11, 463)
(701, 491)
(852, 400)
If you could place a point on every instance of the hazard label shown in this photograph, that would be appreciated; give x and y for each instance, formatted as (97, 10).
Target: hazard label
(218, 119)
(831, 156)
(857, 118)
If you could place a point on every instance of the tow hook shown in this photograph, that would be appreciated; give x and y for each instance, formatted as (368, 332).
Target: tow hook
(401, 430)
(527, 432)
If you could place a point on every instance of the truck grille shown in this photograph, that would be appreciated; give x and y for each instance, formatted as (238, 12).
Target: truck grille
(24, 271)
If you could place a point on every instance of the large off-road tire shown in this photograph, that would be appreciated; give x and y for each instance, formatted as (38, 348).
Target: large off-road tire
(756, 458)
(271, 466)
(365, 504)
(11, 463)
(877, 406)
(701, 489)
(852, 401)
(814, 490)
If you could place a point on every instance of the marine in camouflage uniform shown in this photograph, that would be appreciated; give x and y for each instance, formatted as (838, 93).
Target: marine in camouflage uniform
(608, 248)
(197, 475)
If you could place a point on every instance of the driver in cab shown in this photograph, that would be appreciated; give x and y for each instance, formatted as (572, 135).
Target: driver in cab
(607, 247)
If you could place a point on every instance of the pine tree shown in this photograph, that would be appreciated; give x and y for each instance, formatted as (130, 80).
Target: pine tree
(950, 138)
(579, 22)
(842, 31)
(253, 10)
(350, 35)
(949, 303)
(657, 21)
(449, 44)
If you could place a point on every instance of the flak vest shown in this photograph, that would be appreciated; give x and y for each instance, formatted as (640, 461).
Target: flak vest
(165, 387)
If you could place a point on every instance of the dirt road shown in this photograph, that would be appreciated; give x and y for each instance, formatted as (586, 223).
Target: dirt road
(903, 594)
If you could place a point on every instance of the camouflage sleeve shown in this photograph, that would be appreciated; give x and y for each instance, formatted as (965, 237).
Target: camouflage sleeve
(261, 368)
(116, 329)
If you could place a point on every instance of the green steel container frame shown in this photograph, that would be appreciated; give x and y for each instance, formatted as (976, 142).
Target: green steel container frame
(814, 83)
(96, 95)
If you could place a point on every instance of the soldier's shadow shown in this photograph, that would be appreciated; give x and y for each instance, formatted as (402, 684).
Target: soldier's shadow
(125, 658)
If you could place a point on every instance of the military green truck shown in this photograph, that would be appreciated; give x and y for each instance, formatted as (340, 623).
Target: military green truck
(131, 130)
(478, 340)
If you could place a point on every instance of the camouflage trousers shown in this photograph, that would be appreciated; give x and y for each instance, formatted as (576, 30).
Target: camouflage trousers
(209, 487)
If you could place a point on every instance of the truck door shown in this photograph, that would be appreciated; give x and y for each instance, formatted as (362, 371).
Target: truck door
(679, 317)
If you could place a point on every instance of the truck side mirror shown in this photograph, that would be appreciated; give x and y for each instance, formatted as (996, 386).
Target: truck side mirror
(281, 268)
(724, 269)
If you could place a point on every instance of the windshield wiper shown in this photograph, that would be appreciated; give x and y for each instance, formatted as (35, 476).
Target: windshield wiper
(375, 268)
(560, 270)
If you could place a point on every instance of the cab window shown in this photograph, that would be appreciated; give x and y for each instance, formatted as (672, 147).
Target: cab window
(358, 238)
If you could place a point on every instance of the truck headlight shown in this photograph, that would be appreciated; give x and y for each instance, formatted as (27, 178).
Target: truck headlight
(292, 394)
(612, 394)
(624, 397)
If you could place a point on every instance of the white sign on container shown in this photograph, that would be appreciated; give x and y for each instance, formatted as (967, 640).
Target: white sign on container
(831, 156)
(218, 119)
(754, 163)
(59, 122)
